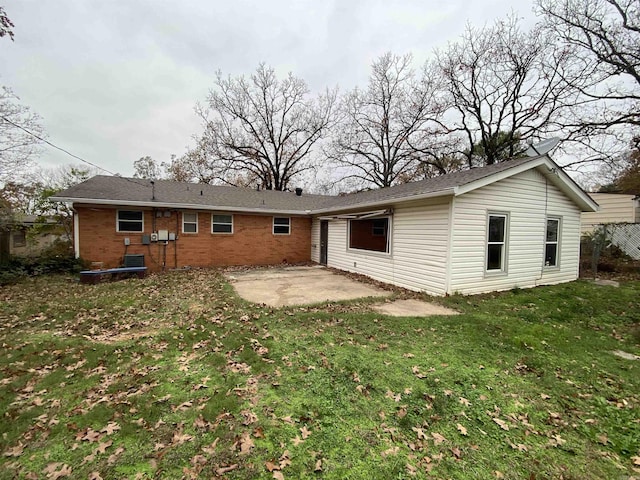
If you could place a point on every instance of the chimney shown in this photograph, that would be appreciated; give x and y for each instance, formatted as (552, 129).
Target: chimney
(298, 192)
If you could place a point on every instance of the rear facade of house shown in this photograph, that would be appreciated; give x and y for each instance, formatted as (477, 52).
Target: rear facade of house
(515, 224)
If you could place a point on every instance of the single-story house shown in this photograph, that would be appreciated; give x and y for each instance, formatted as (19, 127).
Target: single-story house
(15, 238)
(614, 208)
(512, 224)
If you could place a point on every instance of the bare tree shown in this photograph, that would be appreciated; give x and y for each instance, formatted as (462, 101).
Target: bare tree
(18, 147)
(506, 86)
(604, 37)
(147, 167)
(6, 25)
(380, 139)
(262, 127)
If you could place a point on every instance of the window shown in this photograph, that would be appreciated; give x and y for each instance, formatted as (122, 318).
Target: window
(552, 241)
(369, 234)
(497, 242)
(221, 223)
(130, 221)
(19, 238)
(189, 222)
(281, 225)
(379, 227)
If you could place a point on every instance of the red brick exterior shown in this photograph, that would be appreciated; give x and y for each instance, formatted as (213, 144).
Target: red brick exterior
(251, 243)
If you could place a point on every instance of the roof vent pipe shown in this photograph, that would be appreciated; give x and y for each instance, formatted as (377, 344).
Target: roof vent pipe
(153, 190)
(299, 192)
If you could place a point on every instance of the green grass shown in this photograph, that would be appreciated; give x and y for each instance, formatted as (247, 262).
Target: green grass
(174, 376)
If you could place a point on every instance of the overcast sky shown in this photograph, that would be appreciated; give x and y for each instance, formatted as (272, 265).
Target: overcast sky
(118, 80)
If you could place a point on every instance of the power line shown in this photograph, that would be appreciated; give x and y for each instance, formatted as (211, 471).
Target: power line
(34, 135)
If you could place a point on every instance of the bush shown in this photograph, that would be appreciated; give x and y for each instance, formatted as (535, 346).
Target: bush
(58, 258)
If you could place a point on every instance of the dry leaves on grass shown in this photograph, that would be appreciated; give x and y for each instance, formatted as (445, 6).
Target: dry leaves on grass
(57, 470)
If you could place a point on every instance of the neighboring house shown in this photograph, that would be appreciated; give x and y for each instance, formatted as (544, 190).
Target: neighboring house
(16, 240)
(513, 224)
(614, 208)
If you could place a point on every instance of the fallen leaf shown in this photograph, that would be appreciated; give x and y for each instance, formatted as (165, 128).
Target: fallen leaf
(223, 470)
(246, 443)
(544, 396)
(278, 475)
(437, 438)
(102, 446)
(111, 428)
(271, 466)
(461, 429)
(390, 452)
(95, 476)
(305, 433)
(502, 423)
(464, 401)
(297, 441)
(636, 460)
(15, 451)
(53, 473)
(318, 466)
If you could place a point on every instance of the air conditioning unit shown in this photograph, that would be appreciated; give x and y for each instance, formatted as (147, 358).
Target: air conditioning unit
(154, 237)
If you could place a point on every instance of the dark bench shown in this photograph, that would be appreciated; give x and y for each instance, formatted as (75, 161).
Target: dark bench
(96, 276)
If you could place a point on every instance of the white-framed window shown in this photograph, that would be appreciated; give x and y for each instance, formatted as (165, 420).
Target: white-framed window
(221, 223)
(552, 242)
(189, 222)
(281, 225)
(497, 234)
(130, 221)
(370, 234)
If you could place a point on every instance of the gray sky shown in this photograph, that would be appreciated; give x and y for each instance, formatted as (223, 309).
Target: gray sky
(118, 80)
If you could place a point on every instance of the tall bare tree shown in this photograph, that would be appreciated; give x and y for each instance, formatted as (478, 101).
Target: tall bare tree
(604, 37)
(263, 127)
(6, 25)
(380, 137)
(17, 146)
(506, 86)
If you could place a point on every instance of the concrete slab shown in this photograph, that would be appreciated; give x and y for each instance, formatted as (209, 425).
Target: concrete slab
(606, 283)
(413, 308)
(279, 287)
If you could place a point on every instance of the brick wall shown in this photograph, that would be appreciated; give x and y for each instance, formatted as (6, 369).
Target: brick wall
(251, 243)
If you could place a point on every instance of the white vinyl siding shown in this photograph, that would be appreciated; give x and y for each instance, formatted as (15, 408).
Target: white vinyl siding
(614, 208)
(529, 199)
(419, 241)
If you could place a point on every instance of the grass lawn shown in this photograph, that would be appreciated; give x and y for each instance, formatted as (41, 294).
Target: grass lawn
(174, 376)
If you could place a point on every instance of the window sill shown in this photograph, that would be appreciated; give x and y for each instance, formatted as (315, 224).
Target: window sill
(368, 252)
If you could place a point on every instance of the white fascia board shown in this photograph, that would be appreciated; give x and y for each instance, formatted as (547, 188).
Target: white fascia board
(179, 206)
(383, 203)
(553, 172)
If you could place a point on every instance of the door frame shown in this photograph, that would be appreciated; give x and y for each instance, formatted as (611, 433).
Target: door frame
(324, 241)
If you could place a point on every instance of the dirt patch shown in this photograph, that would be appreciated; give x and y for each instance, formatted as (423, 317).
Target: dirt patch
(122, 337)
(413, 308)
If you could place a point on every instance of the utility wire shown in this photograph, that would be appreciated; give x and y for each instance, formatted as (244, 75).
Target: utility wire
(34, 135)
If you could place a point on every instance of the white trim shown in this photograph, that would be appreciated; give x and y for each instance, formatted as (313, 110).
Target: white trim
(558, 241)
(504, 267)
(190, 223)
(386, 252)
(448, 256)
(219, 223)
(76, 234)
(273, 226)
(183, 206)
(553, 172)
(132, 221)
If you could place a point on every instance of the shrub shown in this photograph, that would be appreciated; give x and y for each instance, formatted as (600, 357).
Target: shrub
(58, 258)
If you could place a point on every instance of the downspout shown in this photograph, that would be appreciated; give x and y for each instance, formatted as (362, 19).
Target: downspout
(76, 232)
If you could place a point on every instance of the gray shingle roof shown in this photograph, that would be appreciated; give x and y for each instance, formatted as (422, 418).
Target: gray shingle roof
(133, 191)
